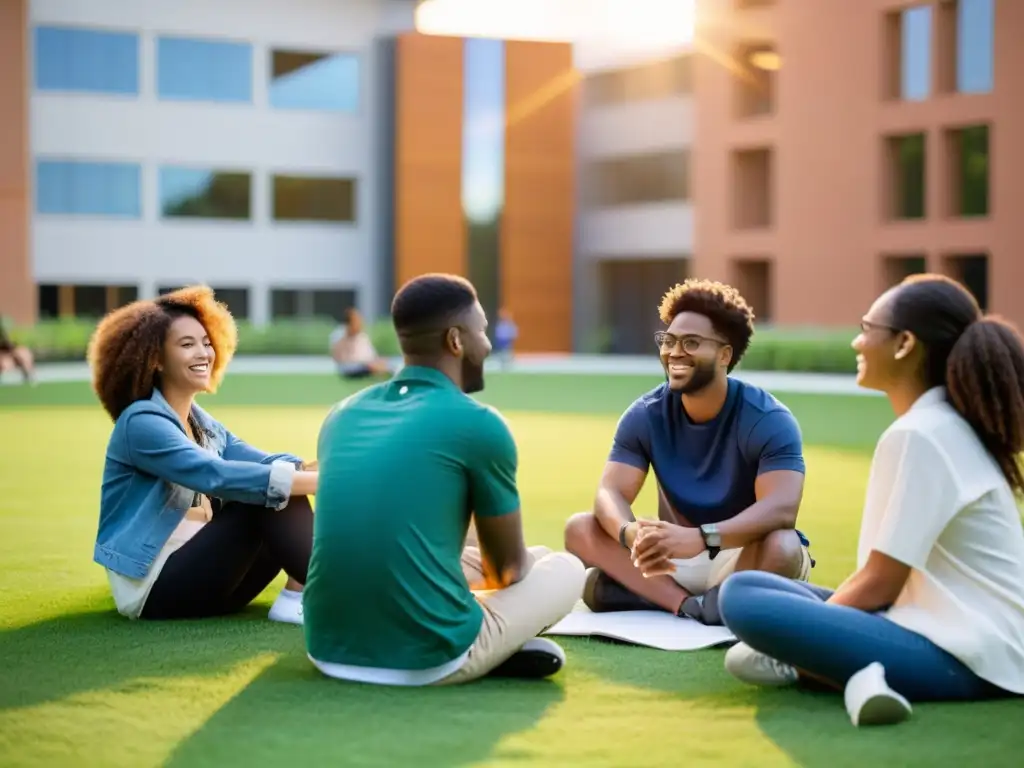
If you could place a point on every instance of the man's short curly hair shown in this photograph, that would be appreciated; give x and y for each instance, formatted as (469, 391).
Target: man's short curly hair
(729, 313)
(126, 346)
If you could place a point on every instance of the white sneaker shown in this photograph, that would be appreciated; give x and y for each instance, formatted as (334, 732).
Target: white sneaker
(287, 608)
(870, 701)
(756, 668)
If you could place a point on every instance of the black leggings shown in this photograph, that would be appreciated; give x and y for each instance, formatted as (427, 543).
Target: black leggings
(232, 559)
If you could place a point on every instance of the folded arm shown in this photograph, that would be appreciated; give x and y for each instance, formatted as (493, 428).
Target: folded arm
(494, 495)
(875, 586)
(778, 497)
(157, 445)
(775, 446)
(914, 496)
(624, 473)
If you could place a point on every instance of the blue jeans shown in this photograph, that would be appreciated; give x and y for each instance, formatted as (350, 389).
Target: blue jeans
(790, 621)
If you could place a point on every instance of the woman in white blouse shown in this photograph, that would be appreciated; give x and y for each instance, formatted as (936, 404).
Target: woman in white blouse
(935, 609)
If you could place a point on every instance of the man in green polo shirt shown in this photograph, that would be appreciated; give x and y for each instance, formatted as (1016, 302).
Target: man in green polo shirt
(394, 596)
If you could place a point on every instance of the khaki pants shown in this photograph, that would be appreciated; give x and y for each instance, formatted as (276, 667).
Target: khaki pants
(699, 574)
(512, 616)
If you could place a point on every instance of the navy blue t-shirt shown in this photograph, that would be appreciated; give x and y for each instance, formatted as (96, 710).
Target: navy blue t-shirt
(707, 471)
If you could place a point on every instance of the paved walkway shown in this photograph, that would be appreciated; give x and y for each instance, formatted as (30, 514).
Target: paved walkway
(812, 383)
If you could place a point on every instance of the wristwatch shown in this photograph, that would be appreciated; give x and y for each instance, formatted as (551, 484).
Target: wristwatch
(622, 533)
(712, 539)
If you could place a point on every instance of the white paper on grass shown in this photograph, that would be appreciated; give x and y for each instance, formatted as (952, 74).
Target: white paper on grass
(654, 629)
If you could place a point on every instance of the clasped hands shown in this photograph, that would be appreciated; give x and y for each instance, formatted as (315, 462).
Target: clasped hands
(657, 543)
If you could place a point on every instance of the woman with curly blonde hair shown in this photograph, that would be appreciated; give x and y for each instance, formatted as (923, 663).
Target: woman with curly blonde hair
(194, 522)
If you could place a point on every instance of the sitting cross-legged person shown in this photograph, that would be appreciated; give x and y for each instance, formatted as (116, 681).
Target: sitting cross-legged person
(728, 460)
(394, 595)
(935, 608)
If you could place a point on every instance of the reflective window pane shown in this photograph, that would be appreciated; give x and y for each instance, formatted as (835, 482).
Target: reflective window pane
(205, 194)
(656, 80)
(314, 198)
(648, 178)
(95, 61)
(975, 42)
(915, 68)
(314, 81)
(204, 70)
(88, 188)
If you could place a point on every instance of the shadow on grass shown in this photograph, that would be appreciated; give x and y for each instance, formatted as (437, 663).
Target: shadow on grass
(77, 653)
(813, 729)
(290, 713)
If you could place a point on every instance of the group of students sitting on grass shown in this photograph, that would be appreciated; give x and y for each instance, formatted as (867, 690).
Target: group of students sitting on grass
(414, 571)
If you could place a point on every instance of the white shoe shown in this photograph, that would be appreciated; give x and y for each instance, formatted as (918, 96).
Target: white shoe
(287, 608)
(870, 701)
(756, 668)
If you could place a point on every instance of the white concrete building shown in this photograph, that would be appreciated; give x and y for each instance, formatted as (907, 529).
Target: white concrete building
(232, 142)
(635, 216)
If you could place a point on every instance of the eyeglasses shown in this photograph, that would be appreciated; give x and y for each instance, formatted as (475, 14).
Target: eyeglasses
(867, 326)
(690, 342)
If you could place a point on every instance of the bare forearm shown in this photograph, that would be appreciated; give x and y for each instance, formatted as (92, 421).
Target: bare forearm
(756, 522)
(612, 510)
(864, 592)
(304, 483)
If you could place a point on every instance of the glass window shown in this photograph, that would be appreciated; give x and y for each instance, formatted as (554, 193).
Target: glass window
(639, 179)
(975, 33)
(908, 155)
(204, 70)
(204, 194)
(236, 300)
(655, 80)
(89, 188)
(313, 198)
(326, 303)
(915, 46)
(971, 170)
(95, 61)
(314, 81)
(49, 301)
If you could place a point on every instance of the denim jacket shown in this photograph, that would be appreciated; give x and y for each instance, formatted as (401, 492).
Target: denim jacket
(153, 470)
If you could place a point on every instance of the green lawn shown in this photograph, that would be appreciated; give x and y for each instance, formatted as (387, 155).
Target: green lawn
(81, 686)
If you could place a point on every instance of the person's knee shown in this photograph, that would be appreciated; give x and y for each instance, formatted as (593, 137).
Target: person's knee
(781, 552)
(581, 532)
(739, 592)
(569, 574)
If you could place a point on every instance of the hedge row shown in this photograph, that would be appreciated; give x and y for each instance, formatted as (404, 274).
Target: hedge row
(771, 350)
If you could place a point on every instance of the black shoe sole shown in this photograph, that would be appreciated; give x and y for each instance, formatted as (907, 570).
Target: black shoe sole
(529, 665)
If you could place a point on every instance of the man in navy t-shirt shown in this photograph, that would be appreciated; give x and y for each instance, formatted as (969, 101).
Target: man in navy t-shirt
(728, 460)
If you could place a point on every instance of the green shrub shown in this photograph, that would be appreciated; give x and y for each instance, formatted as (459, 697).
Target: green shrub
(818, 351)
(772, 349)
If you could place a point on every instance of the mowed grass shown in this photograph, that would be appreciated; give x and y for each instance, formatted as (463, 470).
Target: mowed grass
(81, 686)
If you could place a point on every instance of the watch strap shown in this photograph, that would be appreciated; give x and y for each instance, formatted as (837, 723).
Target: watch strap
(622, 534)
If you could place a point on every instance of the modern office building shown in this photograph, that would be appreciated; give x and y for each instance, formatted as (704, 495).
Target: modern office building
(153, 144)
(303, 157)
(842, 145)
(634, 233)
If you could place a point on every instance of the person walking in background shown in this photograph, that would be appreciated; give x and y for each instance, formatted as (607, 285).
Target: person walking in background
(353, 351)
(194, 522)
(935, 608)
(505, 334)
(16, 356)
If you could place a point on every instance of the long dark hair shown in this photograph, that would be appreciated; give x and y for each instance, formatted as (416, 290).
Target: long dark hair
(978, 358)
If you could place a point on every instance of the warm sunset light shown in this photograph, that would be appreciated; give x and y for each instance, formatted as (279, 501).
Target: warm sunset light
(621, 23)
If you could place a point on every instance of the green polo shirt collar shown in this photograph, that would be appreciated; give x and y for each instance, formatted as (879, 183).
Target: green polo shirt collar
(423, 373)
